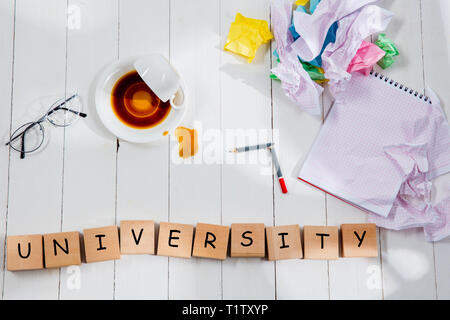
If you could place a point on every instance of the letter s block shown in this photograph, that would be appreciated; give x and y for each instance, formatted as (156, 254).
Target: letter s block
(101, 244)
(211, 241)
(175, 239)
(247, 240)
(62, 249)
(25, 252)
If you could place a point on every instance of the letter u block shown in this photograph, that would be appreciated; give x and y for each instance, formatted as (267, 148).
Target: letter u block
(25, 252)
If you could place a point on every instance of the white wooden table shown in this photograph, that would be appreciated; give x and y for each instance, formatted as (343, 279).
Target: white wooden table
(86, 178)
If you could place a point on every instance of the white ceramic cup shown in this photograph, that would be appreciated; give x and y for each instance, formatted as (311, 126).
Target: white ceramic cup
(160, 76)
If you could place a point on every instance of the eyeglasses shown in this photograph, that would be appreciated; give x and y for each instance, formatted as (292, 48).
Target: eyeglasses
(30, 136)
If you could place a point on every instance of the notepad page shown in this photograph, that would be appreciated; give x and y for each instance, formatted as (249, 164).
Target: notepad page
(349, 157)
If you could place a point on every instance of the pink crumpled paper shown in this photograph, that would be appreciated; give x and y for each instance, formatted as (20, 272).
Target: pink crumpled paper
(295, 81)
(366, 57)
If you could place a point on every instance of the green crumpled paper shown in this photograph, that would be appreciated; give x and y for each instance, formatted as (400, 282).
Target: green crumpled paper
(315, 73)
(247, 35)
(389, 47)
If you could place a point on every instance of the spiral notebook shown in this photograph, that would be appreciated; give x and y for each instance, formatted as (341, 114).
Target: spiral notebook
(369, 142)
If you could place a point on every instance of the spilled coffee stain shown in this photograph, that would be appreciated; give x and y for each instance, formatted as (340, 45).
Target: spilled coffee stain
(188, 142)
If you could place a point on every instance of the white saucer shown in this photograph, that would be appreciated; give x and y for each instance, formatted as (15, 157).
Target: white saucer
(105, 84)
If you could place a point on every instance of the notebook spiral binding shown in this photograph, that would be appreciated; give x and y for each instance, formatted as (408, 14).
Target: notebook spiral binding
(400, 86)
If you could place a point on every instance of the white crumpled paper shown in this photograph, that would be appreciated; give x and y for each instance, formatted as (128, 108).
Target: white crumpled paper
(353, 29)
(314, 28)
(295, 81)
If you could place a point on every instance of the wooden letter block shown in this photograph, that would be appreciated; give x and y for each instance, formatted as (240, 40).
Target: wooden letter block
(283, 242)
(137, 237)
(321, 242)
(247, 240)
(25, 252)
(101, 244)
(175, 239)
(62, 249)
(359, 240)
(211, 241)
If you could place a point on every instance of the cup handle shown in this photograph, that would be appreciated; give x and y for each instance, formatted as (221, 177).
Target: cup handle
(177, 101)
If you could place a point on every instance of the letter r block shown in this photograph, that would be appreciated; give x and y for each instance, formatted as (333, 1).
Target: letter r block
(101, 244)
(359, 240)
(248, 240)
(321, 242)
(283, 242)
(25, 252)
(62, 249)
(175, 239)
(211, 241)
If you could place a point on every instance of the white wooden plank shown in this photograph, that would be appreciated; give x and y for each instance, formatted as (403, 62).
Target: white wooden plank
(195, 189)
(90, 154)
(247, 189)
(6, 62)
(36, 181)
(303, 205)
(142, 170)
(407, 259)
(436, 52)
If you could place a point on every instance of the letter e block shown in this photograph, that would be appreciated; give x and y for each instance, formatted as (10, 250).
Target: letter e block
(359, 240)
(101, 244)
(247, 240)
(62, 249)
(137, 237)
(175, 239)
(283, 242)
(25, 252)
(211, 241)
(321, 243)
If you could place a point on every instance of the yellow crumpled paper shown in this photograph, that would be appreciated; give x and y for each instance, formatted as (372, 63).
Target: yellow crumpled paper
(247, 35)
(301, 2)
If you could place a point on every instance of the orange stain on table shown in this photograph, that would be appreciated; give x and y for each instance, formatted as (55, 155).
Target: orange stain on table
(188, 142)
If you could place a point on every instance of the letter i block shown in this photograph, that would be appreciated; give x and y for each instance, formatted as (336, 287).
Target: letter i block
(137, 237)
(62, 249)
(283, 242)
(321, 243)
(359, 240)
(101, 244)
(175, 239)
(25, 252)
(247, 240)
(211, 241)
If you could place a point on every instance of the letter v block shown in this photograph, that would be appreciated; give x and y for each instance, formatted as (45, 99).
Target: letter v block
(175, 239)
(62, 249)
(359, 240)
(321, 243)
(101, 244)
(137, 237)
(211, 241)
(25, 252)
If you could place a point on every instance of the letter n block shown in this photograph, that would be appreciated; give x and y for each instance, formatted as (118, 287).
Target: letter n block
(321, 243)
(25, 252)
(283, 242)
(359, 240)
(101, 244)
(62, 249)
(175, 239)
(137, 237)
(211, 241)
(247, 240)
